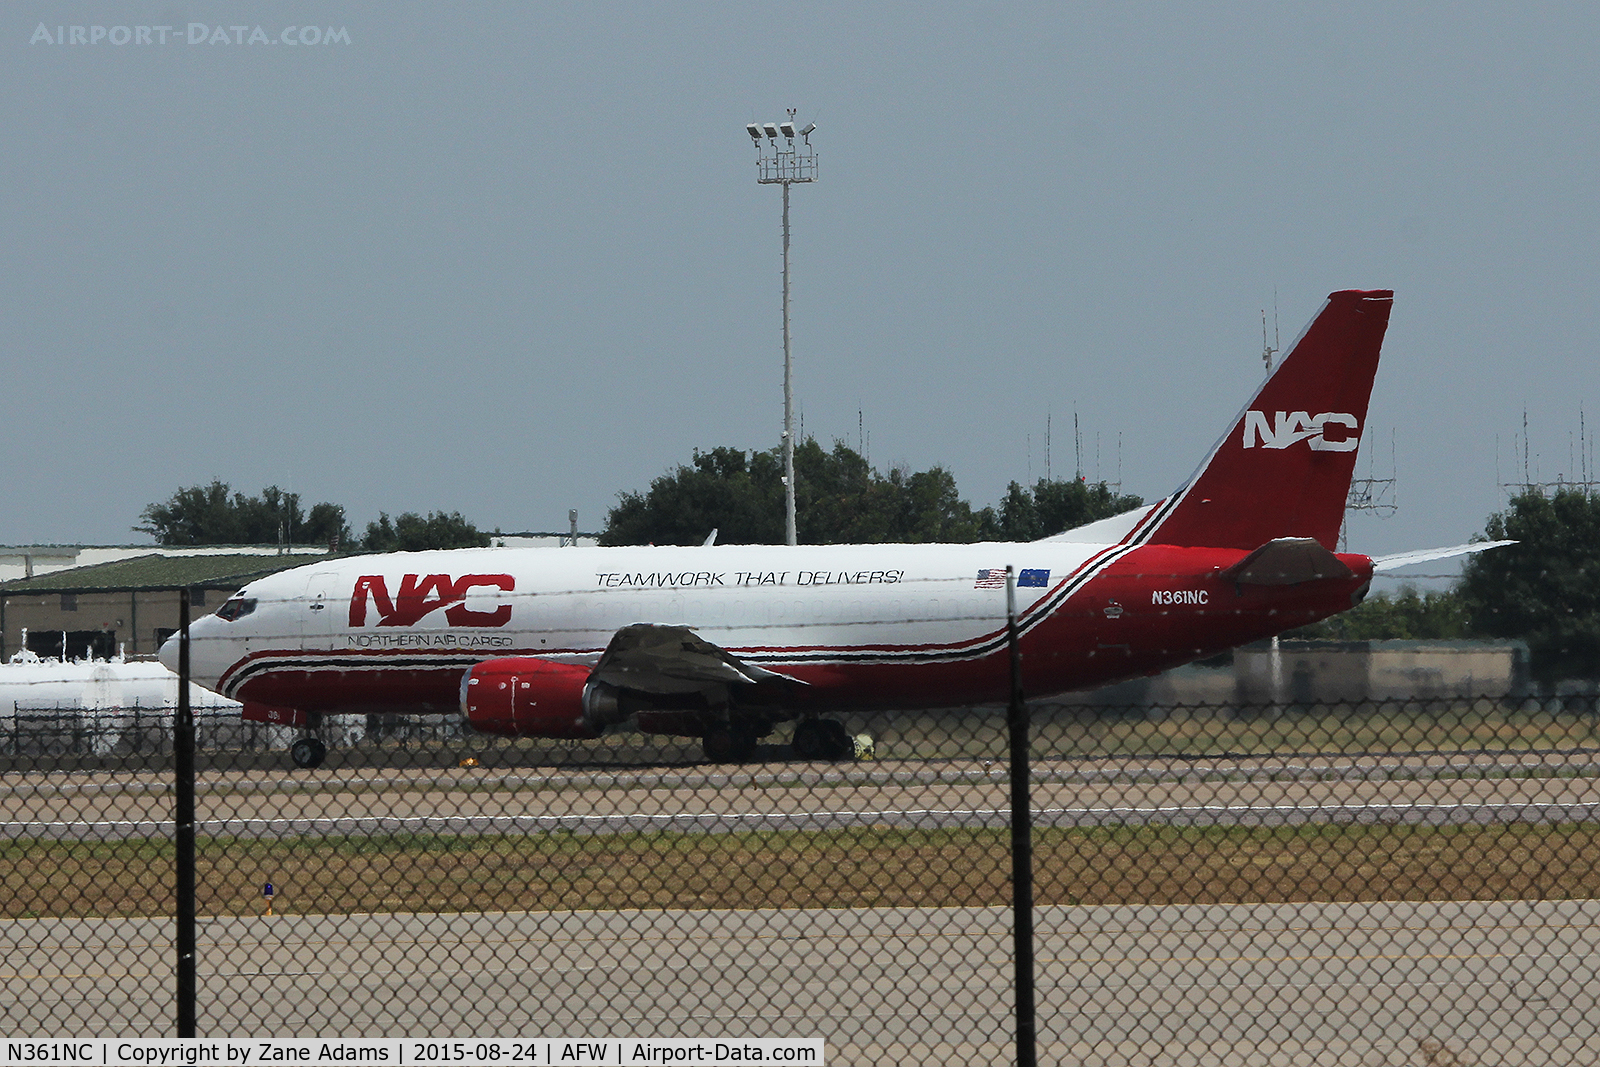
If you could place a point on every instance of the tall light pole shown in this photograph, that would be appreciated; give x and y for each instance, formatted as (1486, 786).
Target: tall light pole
(785, 165)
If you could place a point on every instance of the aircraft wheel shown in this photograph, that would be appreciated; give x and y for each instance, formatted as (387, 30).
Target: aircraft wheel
(719, 744)
(729, 744)
(808, 743)
(744, 745)
(836, 744)
(308, 752)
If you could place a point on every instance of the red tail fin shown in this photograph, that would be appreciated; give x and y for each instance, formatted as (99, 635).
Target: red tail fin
(1284, 468)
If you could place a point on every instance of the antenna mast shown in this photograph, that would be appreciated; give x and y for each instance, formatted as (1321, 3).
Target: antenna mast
(1077, 446)
(1268, 351)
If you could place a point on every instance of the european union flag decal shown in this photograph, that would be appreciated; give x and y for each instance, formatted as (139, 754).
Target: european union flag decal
(1038, 579)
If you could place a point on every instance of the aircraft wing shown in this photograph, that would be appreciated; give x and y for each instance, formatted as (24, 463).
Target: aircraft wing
(1424, 555)
(674, 659)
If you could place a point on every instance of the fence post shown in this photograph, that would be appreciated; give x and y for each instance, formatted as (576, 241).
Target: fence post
(1021, 841)
(183, 818)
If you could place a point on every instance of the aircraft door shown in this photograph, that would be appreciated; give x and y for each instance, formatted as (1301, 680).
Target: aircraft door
(316, 612)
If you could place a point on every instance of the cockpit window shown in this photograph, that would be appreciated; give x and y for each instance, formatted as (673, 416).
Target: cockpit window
(236, 608)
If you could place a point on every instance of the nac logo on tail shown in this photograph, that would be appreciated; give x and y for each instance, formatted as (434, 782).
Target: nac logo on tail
(1290, 427)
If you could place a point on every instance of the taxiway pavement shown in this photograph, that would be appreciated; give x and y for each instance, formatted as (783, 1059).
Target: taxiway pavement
(1191, 986)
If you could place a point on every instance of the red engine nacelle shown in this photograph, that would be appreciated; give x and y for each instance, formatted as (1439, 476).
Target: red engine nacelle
(526, 697)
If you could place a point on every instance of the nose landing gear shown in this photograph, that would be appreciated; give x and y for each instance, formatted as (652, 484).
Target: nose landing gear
(308, 752)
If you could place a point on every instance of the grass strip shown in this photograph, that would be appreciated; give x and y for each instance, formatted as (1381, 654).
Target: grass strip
(859, 867)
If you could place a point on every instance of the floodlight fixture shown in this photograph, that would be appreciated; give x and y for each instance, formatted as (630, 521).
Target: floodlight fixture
(787, 129)
(754, 131)
(771, 130)
(807, 131)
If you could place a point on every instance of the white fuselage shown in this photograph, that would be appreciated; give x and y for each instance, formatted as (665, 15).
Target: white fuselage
(775, 605)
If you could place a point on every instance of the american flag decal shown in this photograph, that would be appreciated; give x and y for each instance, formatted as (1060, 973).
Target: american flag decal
(990, 578)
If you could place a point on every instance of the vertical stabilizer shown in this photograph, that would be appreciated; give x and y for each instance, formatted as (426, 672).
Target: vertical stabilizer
(1283, 469)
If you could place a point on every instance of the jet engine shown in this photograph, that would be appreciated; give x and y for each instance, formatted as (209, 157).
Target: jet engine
(524, 696)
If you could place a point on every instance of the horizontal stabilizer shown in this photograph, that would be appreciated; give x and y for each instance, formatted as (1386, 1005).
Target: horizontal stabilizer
(1424, 555)
(1288, 561)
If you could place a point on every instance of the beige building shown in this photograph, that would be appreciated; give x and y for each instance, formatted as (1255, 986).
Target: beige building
(1309, 672)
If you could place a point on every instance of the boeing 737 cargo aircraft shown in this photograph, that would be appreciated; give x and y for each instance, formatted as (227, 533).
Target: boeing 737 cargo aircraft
(724, 643)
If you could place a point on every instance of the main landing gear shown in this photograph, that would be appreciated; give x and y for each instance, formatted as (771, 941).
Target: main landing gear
(730, 744)
(821, 739)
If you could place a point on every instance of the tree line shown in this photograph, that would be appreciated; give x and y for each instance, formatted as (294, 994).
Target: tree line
(215, 514)
(841, 499)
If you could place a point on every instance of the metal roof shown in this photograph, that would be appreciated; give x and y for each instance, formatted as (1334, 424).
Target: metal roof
(154, 572)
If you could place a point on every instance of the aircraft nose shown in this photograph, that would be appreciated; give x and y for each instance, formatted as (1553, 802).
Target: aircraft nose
(168, 652)
(203, 651)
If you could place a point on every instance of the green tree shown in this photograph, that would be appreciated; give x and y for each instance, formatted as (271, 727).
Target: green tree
(839, 499)
(738, 495)
(1546, 588)
(1405, 616)
(410, 532)
(1053, 506)
(927, 508)
(215, 515)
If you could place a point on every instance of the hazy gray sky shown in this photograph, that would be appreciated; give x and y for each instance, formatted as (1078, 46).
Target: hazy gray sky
(511, 258)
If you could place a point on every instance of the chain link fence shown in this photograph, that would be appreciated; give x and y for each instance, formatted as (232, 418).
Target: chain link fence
(1384, 882)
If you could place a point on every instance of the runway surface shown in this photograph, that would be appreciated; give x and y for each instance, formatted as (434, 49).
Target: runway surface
(1440, 790)
(1358, 984)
